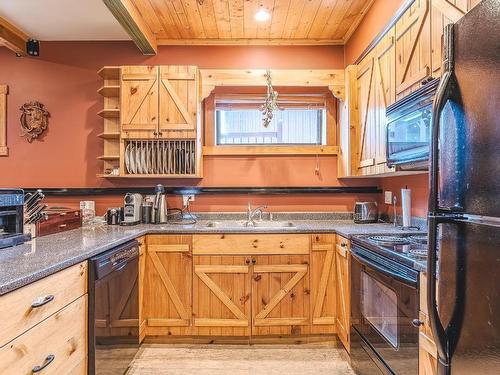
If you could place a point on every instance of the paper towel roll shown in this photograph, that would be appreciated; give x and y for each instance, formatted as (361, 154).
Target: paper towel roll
(406, 206)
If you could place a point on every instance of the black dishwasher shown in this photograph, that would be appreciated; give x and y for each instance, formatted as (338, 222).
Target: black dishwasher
(113, 309)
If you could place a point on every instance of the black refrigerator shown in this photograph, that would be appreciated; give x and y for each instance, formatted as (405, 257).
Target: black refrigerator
(464, 203)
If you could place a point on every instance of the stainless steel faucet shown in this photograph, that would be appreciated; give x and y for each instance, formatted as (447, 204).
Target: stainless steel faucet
(252, 212)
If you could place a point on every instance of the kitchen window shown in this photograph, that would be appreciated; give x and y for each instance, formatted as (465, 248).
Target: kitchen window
(295, 123)
(305, 122)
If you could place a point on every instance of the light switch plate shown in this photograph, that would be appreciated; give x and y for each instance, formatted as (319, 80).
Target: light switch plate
(388, 197)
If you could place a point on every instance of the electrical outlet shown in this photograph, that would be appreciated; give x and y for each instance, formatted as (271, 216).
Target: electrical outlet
(388, 197)
(187, 198)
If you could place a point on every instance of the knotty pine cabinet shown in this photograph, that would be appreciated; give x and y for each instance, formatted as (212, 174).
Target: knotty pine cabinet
(45, 323)
(408, 56)
(323, 284)
(159, 102)
(427, 352)
(156, 122)
(375, 91)
(444, 12)
(221, 295)
(280, 295)
(239, 285)
(166, 289)
(413, 48)
(342, 260)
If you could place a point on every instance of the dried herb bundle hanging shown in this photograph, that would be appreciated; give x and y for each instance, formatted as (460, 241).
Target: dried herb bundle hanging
(271, 103)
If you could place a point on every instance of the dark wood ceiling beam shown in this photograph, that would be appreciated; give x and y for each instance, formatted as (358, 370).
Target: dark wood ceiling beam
(12, 37)
(131, 20)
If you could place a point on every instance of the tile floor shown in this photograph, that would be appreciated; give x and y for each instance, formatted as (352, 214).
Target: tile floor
(318, 359)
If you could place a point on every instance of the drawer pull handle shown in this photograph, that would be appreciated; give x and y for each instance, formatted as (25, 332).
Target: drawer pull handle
(39, 302)
(63, 225)
(50, 358)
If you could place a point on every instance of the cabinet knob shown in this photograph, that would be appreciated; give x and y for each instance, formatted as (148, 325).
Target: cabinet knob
(343, 244)
(417, 323)
(254, 261)
(247, 261)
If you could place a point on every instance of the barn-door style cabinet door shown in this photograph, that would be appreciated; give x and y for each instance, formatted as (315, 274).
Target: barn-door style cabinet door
(166, 290)
(342, 262)
(413, 48)
(367, 129)
(384, 91)
(323, 284)
(375, 81)
(280, 295)
(139, 102)
(179, 102)
(221, 295)
(444, 12)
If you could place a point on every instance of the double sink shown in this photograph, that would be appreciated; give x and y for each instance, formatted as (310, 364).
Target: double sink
(249, 224)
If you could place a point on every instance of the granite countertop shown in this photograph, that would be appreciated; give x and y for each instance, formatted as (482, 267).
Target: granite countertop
(43, 256)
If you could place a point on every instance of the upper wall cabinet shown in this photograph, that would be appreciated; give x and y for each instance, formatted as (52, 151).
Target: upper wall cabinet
(413, 51)
(139, 101)
(444, 12)
(404, 59)
(178, 101)
(375, 91)
(156, 128)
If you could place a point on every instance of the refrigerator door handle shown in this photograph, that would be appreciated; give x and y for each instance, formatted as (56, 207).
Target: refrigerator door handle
(439, 333)
(440, 100)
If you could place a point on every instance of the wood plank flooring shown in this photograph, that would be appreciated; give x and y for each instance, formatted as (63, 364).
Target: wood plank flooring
(318, 359)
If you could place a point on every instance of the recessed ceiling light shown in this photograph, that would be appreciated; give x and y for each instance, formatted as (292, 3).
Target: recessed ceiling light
(262, 15)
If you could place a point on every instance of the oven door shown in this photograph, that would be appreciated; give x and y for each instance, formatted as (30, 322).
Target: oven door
(384, 301)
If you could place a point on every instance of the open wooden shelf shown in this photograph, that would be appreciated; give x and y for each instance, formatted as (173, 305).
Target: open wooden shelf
(109, 135)
(109, 157)
(109, 72)
(109, 113)
(109, 91)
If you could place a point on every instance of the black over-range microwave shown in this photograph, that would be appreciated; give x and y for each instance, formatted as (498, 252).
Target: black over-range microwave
(409, 129)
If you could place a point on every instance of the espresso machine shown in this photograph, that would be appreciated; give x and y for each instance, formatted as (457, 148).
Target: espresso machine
(132, 209)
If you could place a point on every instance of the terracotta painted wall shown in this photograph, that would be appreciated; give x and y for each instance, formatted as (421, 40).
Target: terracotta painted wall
(64, 79)
(419, 193)
(372, 24)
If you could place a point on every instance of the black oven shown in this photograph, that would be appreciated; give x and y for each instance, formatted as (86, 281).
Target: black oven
(384, 302)
(409, 129)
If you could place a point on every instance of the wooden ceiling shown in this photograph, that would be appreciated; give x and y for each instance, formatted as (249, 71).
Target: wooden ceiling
(233, 22)
(291, 22)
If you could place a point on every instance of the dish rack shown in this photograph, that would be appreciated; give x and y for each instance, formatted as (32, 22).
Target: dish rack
(160, 157)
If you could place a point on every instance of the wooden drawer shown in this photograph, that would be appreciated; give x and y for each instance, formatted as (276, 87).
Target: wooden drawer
(17, 314)
(163, 243)
(322, 242)
(62, 335)
(258, 244)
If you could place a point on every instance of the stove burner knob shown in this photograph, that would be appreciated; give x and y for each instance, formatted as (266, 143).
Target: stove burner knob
(417, 323)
